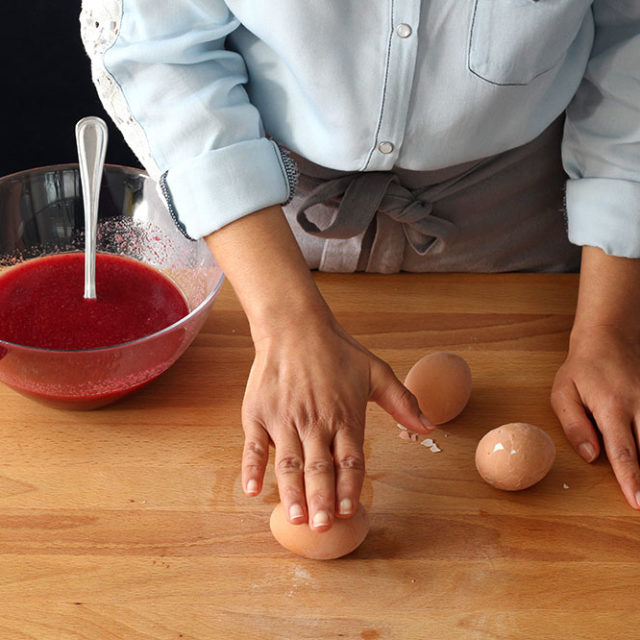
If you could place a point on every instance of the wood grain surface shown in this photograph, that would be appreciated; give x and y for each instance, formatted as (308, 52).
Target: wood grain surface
(129, 522)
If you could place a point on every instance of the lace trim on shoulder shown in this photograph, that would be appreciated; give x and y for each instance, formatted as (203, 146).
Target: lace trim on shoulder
(99, 28)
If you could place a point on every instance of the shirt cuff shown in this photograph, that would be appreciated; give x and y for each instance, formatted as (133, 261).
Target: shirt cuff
(215, 188)
(605, 213)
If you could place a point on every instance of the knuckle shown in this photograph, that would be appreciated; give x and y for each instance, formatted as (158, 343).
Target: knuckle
(382, 374)
(385, 367)
(349, 424)
(614, 406)
(622, 454)
(574, 429)
(252, 448)
(406, 397)
(250, 411)
(351, 462)
(318, 467)
(558, 396)
(289, 464)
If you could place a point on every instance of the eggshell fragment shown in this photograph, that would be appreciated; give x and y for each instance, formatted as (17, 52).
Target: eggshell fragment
(441, 382)
(515, 456)
(345, 535)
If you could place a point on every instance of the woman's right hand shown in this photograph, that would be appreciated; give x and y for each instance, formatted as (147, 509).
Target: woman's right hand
(307, 395)
(310, 381)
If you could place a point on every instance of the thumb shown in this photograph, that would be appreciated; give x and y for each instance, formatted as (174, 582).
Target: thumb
(388, 392)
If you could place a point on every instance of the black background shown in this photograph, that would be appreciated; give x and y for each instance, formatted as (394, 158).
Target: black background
(46, 87)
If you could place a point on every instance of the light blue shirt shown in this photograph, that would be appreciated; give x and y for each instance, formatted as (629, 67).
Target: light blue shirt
(203, 89)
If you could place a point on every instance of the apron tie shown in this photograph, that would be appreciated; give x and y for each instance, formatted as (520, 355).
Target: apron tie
(378, 195)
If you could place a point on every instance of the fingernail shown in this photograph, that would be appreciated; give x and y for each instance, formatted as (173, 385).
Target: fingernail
(425, 421)
(296, 512)
(587, 451)
(252, 487)
(638, 498)
(320, 519)
(346, 507)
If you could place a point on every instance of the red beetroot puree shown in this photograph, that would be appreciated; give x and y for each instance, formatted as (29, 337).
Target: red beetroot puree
(42, 302)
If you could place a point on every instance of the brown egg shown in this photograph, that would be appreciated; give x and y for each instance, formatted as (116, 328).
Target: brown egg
(345, 535)
(515, 456)
(441, 382)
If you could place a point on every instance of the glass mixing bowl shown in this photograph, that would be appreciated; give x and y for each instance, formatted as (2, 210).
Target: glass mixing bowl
(41, 214)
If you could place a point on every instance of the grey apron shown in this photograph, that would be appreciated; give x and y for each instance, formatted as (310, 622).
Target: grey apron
(504, 213)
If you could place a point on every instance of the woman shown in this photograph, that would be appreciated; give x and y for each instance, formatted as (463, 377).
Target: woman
(429, 136)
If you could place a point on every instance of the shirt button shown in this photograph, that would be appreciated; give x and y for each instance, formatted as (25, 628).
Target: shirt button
(403, 30)
(385, 147)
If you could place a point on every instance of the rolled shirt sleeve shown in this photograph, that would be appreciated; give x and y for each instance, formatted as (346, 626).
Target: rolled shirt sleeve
(601, 148)
(166, 79)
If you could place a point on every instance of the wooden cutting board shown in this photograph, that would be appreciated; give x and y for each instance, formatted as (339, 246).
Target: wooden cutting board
(129, 522)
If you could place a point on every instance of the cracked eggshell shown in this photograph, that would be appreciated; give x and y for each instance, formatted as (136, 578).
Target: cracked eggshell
(344, 536)
(441, 382)
(515, 456)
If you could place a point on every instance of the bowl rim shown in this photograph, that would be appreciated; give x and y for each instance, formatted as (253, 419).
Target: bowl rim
(206, 302)
(69, 165)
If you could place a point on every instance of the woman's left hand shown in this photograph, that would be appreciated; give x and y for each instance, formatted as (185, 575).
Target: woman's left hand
(597, 391)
